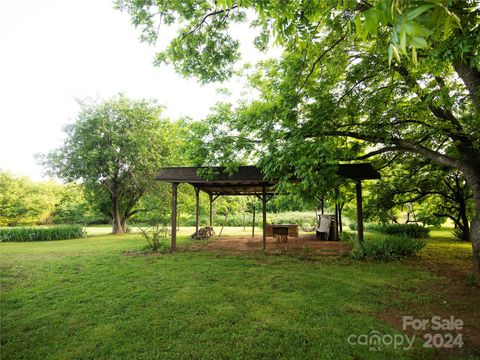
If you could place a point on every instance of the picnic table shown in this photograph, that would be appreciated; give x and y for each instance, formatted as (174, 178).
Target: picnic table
(282, 231)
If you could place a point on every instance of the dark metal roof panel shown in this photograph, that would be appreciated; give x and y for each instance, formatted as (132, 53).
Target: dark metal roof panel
(191, 175)
(251, 175)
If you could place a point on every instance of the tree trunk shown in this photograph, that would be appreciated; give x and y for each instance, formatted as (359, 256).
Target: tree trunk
(473, 178)
(464, 225)
(471, 79)
(117, 219)
(224, 223)
(340, 226)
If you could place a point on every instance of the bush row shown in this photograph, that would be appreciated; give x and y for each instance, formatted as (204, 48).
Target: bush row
(387, 247)
(21, 234)
(409, 230)
(293, 217)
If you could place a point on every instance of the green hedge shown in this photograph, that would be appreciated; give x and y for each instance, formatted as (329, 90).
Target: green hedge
(409, 230)
(293, 217)
(387, 247)
(21, 234)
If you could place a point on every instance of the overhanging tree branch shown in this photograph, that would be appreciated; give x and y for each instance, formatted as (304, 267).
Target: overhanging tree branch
(204, 19)
(404, 144)
(319, 58)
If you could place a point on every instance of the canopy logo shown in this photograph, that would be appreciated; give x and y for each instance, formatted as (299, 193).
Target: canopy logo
(375, 340)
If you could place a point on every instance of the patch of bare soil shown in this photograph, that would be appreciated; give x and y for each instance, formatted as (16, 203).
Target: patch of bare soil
(247, 244)
(142, 253)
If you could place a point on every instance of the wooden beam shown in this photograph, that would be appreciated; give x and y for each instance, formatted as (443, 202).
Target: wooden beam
(264, 210)
(173, 245)
(197, 200)
(358, 189)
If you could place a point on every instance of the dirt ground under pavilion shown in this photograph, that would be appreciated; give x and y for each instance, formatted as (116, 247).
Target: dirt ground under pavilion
(246, 244)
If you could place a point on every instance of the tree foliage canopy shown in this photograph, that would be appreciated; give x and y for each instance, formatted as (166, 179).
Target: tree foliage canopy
(114, 148)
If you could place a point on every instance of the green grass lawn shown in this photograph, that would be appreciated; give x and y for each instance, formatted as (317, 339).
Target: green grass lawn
(85, 299)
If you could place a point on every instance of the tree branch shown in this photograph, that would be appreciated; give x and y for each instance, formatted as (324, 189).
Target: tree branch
(320, 57)
(404, 144)
(234, 6)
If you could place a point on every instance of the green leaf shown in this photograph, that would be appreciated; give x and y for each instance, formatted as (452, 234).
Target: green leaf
(414, 55)
(395, 52)
(358, 25)
(418, 11)
(420, 42)
(447, 27)
(414, 28)
(403, 41)
(371, 22)
(457, 20)
(390, 55)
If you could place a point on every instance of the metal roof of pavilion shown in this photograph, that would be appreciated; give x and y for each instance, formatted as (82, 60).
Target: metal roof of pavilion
(247, 180)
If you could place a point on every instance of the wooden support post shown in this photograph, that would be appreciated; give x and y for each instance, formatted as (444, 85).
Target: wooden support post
(211, 209)
(335, 235)
(358, 188)
(323, 203)
(340, 226)
(264, 210)
(197, 193)
(253, 221)
(173, 245)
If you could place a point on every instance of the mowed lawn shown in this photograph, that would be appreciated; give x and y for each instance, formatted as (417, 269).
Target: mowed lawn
(87, 299)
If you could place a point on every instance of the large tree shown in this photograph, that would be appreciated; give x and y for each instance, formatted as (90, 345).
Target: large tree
(114, 148)
(394, 75)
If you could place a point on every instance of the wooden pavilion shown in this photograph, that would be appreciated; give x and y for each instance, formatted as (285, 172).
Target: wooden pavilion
(249, 180)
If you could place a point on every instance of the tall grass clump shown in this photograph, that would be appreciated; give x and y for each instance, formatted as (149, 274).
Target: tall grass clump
(387, 247)
(22, 234)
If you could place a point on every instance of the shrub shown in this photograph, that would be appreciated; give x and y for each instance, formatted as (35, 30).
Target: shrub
(348, 236)
(21, 234)
(300, 218)
(293, 217)
(156, 237)
(387, 247)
